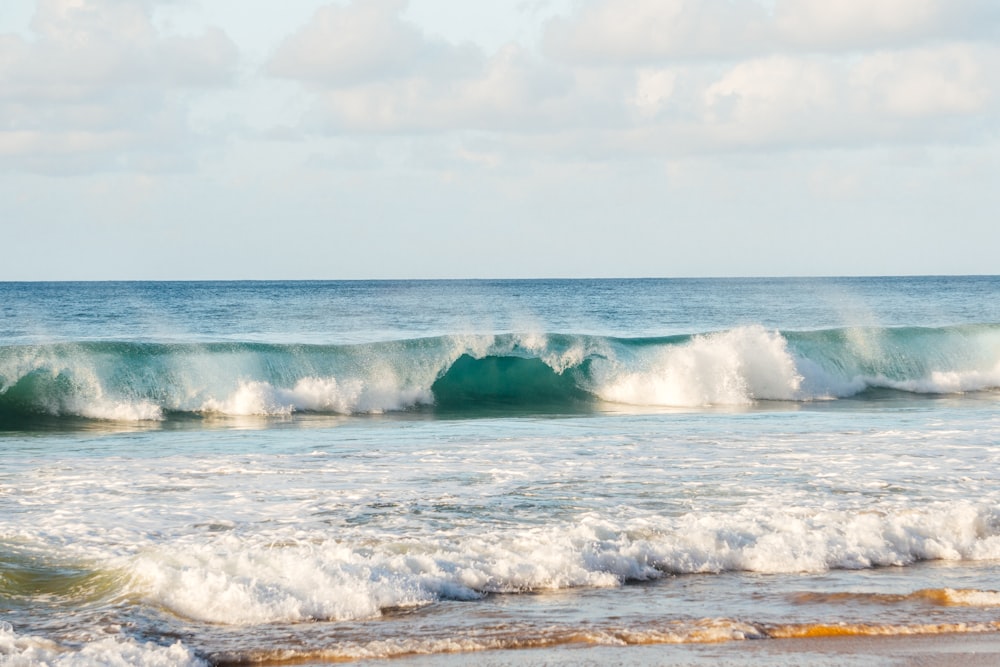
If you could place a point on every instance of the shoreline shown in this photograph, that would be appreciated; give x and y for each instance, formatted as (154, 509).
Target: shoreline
(976, 649)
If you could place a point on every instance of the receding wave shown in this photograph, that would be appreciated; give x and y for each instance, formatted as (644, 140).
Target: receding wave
(942, 597)
(803, 631)
(26, 649)
(511, 637)
(134, 381)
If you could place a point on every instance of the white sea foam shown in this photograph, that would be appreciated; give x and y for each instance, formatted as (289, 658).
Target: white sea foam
(350, 396)
(236, 583)
(732, 367)
(971, 598)
(242, 584)
(819, 541)
(242, 581)
(117, 410)
(29, 651)
(746, 364)
(819, 383)
(71, 384)
(848, 379)
(945, 382)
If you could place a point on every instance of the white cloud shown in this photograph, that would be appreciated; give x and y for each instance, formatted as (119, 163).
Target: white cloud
(927, 96)
(365, 42)
(637, 31)
(817, 25)
(924, 95)
(373, 72)
(511, 90)
(948, 80)
(653, 89)
(603, 32)
(765, 100)
(96, 86)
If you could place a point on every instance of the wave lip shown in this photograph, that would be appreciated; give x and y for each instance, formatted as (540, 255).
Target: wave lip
(948, 360)
(130, 381)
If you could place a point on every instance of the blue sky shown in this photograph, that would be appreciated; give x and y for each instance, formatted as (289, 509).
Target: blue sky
(202, 139)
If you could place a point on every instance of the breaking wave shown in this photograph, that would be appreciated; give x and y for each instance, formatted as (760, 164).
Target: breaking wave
(133, 381)
(238, 580)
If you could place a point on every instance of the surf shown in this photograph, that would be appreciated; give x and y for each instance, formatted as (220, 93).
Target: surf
(147, 381)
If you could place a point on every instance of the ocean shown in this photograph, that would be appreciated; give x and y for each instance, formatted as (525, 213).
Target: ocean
(660, 471)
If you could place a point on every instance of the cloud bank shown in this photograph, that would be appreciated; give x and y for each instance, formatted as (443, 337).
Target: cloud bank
(97, 87)
(664, 77)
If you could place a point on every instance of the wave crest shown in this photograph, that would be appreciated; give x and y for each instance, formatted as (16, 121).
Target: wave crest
(728, 368)
(145, 381)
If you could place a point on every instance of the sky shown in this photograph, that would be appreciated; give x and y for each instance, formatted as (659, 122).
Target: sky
(361, 139)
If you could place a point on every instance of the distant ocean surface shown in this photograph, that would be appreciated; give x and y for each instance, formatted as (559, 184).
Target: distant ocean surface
(200, 473)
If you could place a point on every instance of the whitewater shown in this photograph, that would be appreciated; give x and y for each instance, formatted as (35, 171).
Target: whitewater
(314, 472)
(137, 381)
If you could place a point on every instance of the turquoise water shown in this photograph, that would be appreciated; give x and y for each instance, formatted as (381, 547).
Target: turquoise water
(209, 473)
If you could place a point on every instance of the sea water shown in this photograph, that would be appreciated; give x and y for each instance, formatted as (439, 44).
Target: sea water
(229, 473)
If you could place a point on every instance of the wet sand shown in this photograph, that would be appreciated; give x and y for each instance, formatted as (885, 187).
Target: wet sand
(944, 650)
